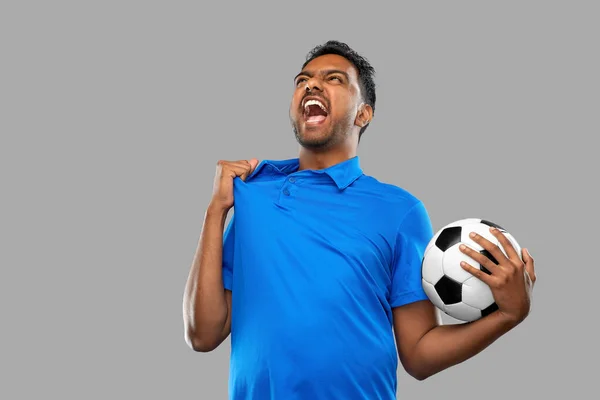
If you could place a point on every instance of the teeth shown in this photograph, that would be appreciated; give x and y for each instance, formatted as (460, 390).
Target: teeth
(314, 102)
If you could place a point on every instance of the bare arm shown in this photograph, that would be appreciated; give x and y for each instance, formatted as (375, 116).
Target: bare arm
(207, 305)
(426, 347)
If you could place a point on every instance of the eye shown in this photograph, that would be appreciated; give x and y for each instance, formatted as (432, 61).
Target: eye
(336, 77)
(300, 80)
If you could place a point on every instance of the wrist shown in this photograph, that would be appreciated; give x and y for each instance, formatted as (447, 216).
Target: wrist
(217, 210)
(507, 321)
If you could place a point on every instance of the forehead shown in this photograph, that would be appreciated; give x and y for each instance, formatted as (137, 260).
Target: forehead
(331, 61)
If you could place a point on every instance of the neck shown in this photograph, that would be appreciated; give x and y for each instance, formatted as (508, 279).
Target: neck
(311, 159)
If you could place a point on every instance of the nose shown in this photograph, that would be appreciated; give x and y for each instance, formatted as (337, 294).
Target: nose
(313, 83)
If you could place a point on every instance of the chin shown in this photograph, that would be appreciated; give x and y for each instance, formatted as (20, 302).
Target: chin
(314, 140)
(313, 136)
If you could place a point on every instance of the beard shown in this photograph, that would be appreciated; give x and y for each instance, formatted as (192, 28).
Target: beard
(322, 141)
(325, 138)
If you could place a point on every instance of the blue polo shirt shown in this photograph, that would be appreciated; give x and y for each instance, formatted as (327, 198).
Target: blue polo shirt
(316, 260)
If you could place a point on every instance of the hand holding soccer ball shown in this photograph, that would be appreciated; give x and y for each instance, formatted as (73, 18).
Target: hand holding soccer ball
(491, 273)
(511, 276)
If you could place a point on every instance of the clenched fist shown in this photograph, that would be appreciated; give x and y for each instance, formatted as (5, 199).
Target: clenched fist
(222, 198)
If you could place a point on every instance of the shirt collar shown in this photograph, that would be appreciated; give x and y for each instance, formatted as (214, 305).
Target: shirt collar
(343, 173)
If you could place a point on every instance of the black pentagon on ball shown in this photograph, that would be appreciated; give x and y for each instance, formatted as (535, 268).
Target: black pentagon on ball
(448, 238)
(491, 257)
(490, 223)
(449, 290)
(489, 309)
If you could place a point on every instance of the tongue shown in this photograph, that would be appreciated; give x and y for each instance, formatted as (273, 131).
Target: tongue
(316, 118)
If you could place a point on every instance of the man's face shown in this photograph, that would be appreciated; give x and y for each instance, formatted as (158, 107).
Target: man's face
(333, 81)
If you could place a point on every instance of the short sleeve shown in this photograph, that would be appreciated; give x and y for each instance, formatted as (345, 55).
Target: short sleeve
(412, 238)
(228, 246)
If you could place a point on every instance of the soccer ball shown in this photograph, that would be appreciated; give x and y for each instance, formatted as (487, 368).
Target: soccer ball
(450, 288)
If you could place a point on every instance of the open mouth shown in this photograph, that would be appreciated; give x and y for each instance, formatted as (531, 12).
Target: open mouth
(314, 112)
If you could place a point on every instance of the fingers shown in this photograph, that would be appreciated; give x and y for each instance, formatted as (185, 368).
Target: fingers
(529, 265)
(253, 163)
(232, 168)
(489, 265)
(506, 244)
(490, 247)
(250, 166)
(241, 168)
(476, 272)
(496, 266)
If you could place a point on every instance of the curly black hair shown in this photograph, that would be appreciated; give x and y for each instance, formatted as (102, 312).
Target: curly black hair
(366, 72)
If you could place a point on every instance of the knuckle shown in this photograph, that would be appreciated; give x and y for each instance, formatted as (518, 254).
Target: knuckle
(519, 266)
(503, 279)
(222, 163)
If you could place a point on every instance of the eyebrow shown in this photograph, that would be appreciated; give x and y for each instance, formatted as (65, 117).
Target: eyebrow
(325, 72)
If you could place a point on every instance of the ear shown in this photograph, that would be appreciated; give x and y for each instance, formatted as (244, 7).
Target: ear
(364, 115)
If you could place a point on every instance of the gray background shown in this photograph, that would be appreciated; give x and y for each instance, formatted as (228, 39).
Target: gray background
(114, 114)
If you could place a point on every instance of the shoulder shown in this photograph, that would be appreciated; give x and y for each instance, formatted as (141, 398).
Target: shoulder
(400, 198)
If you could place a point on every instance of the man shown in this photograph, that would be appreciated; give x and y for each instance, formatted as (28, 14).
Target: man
(317, 276)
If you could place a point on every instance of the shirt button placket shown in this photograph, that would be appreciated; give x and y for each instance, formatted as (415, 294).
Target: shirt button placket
(286, 189)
